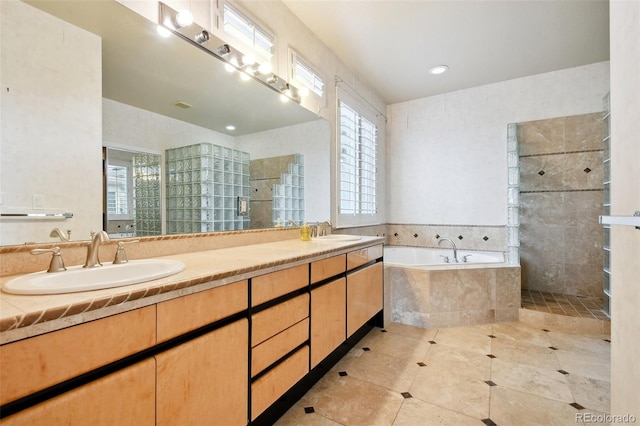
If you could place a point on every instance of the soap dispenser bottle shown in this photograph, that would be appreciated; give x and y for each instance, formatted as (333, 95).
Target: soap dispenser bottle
(305, 232)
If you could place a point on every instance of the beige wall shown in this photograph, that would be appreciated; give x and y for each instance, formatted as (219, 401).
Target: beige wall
(625, 199)
(52, 95)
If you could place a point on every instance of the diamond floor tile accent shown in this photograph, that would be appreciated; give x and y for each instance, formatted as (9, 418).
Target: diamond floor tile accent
(496, 374)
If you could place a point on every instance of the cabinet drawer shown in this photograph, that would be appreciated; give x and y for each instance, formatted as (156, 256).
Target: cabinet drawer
(268, 287)
(36, 363)
(126, 397)
(268, 388)
(277, 318)
(184, 314)
(360, 257)
(326, 268)
(271, 350)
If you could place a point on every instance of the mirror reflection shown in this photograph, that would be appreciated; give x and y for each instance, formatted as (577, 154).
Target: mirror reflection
(132, 193)
(119, 85)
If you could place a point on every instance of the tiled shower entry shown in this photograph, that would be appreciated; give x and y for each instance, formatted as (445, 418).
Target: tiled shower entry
(563, 304)
(560, 196)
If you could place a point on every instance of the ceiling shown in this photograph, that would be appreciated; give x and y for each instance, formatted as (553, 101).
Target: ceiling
(393, 43)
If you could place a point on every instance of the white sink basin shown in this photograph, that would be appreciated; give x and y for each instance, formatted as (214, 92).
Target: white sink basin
(335, 238)
(77, 278)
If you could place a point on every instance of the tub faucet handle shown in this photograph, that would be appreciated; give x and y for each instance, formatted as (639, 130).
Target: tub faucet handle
(465, 258)
(121, 255)
(56, 265)
(445, 258)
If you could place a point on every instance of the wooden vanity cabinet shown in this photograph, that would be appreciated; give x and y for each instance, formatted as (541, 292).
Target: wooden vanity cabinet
(204, 381)
(219, 356)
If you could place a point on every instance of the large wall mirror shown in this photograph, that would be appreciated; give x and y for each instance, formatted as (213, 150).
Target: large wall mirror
(69, 95)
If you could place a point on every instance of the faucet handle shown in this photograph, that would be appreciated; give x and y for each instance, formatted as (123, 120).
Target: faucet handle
(465, 258)
(121, 255)
(445, 258)
(56, 265)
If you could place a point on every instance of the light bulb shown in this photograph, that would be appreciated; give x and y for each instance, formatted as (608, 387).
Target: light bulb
(265, 68)
(248, 59)
(184, 18)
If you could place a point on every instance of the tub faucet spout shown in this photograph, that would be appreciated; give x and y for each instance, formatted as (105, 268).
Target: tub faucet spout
(455, 250)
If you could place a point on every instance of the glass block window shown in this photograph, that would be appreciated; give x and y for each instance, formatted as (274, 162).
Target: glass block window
(306, 75)
(358, 170)
(242, 28)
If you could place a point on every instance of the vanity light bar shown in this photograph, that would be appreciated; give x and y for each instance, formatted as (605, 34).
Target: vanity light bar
(217, 48)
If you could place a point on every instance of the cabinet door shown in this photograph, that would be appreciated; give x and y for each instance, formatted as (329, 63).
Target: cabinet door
(328, 319)
(67, 353)
(126, 397)
(205, 381)
(364, 296)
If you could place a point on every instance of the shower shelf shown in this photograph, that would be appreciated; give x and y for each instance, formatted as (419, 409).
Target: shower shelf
(622, 220)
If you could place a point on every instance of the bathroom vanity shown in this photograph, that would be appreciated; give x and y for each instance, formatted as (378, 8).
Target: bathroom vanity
(234, 339)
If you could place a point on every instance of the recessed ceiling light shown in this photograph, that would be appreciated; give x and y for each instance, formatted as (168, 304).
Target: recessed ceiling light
(231, 127)
(438, 69)
(182, 104)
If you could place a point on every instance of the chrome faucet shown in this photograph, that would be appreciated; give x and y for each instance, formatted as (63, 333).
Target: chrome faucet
(93, 247)
(455, 250)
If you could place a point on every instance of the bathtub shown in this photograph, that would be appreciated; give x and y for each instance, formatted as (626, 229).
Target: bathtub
(430, 257)
(424, 291)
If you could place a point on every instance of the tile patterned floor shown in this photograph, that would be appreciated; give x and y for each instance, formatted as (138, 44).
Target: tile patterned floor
(495, 374)
(563, 304)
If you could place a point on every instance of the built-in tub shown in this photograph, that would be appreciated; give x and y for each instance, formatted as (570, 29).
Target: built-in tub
(430, 257)
(424, 291)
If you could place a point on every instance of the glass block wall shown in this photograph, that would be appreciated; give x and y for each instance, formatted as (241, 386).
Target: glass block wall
(606, 157)
(147, 194)
(288, 195)
(204, 183)
(513, 198)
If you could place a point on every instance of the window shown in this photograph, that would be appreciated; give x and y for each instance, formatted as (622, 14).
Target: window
(305, 75)
(357, 187)
(119, 193)
(247, 32)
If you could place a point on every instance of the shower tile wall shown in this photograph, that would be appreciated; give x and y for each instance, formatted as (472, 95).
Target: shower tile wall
(278, 171)
(561, 183)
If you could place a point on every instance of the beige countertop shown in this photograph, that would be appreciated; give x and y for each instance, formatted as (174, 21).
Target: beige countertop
(27, 316)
